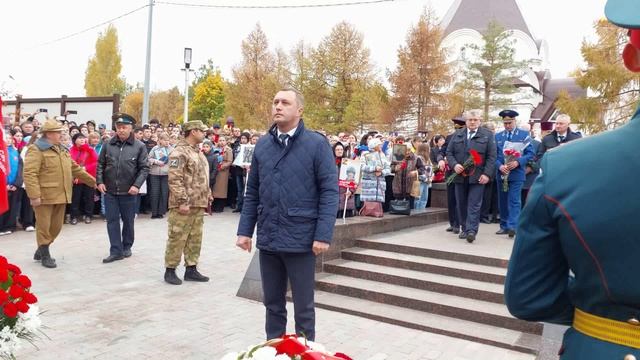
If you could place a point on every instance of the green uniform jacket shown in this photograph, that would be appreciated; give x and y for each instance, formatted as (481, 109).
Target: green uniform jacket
(49, 172)
(581, 216)
(188, 177)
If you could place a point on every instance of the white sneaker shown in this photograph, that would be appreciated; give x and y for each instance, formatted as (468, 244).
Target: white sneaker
(5, 233)
(30, 229)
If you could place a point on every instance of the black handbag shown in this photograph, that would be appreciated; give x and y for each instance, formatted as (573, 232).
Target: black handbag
(400, 207)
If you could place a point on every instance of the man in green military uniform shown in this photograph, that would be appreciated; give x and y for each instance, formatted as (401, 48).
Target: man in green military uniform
(189, 196)
(576, 258)
(48, 178)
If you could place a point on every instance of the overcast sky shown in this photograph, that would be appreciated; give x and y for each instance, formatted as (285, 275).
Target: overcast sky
(50, 70)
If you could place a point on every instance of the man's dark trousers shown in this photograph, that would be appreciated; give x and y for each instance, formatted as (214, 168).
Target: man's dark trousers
(510, 205)
(452, 206)
(120, 207)
(469, 201)
(299, 268)
(240, 186)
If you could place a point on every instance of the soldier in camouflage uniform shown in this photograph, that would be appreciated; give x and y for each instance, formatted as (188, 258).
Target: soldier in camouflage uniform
(189, 195)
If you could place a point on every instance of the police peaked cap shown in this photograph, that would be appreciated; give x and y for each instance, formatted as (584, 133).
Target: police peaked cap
(122, 118)
(508, 113)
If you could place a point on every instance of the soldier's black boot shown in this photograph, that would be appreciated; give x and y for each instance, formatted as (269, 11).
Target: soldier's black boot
(192, 274)
(47, 260)
(171, 277)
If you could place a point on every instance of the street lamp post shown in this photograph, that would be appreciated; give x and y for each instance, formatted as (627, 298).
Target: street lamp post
(187, 65)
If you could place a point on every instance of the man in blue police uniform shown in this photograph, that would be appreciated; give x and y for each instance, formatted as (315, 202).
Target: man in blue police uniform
(584, 221)
(292, 195)
(509, 202)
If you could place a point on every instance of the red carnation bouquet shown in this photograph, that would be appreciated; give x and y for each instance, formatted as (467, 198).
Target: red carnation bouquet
(469, 166)
(512, 151)
(19, 317)
(288, 347)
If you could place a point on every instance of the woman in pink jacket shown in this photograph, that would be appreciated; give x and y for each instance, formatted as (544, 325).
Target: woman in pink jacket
(82, 198)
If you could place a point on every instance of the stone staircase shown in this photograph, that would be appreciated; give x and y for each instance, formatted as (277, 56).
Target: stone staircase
(427, 279)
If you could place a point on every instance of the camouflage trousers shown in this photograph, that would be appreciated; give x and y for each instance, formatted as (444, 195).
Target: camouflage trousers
(185, 236)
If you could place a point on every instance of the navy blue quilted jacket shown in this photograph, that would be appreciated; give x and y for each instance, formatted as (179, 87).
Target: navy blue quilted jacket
(292, 192)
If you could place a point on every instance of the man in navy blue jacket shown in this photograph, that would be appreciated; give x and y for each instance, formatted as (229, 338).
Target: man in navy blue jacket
(292, 196)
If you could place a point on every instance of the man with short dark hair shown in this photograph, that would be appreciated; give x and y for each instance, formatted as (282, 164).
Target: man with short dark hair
(122, 168)
(292, 195)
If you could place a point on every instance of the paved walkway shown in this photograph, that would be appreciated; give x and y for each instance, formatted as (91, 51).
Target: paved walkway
(124, 310)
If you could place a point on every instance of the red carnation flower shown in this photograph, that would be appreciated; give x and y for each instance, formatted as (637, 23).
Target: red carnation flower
(477, 159)
(22, 306)
(23, 281)
(403, 165)
(342, 356)
(291, 346)
(15, 291)
(29, 298)
(4, 275)
(10, 310)
(3, 261)
(3, 297)
(14, 269)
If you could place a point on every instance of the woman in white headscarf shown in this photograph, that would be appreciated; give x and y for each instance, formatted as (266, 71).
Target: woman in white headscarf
(375, 166)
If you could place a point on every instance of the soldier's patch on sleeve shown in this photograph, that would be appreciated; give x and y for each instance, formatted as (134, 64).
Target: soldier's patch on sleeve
(174, 163)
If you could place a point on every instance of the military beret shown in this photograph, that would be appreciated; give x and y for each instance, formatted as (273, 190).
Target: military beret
(216, 126)
(194, 124)
(122, 118)
(546, 126)
(508, 113)
(229, 120)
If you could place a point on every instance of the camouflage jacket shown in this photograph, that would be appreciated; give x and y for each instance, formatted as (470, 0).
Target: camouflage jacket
(188, 177)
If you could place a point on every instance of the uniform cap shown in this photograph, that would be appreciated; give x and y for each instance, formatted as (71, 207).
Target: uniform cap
(194, 124)
(623, 13)
(546, 126)
(459, 120)
(51, 126)
(122, 118)
(508, 114)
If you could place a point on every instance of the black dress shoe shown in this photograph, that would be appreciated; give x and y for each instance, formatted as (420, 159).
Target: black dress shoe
(126, 253)
(485, 221)
(463, 235)
(471, 237)
(456, 230)
(449, 229)
(112, 258)
(512, 233)
(237, 210)
(502, 232)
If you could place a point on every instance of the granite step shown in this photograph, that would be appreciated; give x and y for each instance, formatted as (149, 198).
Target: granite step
(459, 269)
(472, 289)
(431, 251)
(420, 320)
(479, 311)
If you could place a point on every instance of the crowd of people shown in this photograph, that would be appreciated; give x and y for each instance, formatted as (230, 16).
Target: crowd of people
(221, 147)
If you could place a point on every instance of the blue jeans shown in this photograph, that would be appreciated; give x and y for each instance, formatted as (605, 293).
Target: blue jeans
(120, 207)
(509, 204)
(421, 202)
